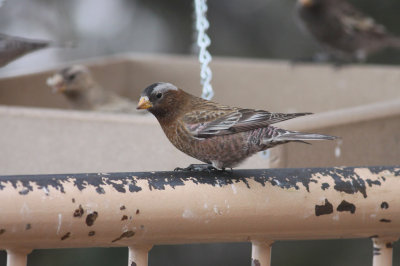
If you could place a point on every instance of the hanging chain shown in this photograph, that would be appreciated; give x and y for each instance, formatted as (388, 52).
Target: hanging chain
(203, 41)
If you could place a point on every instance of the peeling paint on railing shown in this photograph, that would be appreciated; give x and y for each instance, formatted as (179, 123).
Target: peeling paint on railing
(143, 209)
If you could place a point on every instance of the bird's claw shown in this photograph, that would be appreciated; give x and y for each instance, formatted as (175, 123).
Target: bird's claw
(198, 168)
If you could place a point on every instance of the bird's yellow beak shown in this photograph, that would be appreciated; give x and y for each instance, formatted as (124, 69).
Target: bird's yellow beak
(57, 83)
(306, 2)
(60, 88)
(144, 103)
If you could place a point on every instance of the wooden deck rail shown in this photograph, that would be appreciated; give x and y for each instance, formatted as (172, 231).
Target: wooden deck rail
(138, 210)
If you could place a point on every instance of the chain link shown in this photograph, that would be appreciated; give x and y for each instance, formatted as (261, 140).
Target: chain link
(203, 41)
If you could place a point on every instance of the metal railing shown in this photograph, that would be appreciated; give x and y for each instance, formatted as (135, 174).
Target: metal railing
(139, 210)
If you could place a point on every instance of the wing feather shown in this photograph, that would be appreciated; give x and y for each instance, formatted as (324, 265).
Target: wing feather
(225, 122)
(356, 21)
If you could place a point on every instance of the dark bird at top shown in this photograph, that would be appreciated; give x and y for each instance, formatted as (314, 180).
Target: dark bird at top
(344, 31)
(218, 135)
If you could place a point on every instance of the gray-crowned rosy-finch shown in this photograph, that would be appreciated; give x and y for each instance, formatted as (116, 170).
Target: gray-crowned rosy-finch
(344, 31)
(219, 135)
(84, 93)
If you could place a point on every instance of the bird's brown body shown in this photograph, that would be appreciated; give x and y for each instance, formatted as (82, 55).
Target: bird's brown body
(343, 30)
(221, 151)
(216, 134)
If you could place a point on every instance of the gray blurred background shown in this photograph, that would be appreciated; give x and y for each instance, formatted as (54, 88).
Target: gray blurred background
(253, 28)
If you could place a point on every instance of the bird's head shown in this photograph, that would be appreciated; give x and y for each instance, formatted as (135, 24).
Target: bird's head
(72, 79)
(309, 3)
(161, 99)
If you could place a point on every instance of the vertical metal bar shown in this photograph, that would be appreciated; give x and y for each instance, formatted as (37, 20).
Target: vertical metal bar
(17, 257)
(261, 253)
(382, 251)
(139, 255)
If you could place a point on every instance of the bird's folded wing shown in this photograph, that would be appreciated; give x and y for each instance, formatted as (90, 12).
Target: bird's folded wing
(355, 21)
(238, 120)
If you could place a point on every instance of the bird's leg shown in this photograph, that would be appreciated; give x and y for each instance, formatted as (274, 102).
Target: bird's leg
(301, 60)
(198, 168)
(320, 57)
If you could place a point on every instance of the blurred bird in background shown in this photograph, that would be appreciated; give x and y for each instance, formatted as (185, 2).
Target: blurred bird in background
(84, 93)
(219, 135)
(345, 32)
(11, 47)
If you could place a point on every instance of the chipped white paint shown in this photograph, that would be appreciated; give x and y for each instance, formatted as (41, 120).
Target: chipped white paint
(336, 217)
(188, 214)
(234, 189)
(59, 223)
(91, 207)
(46, 191)
(266, 200)
(338, 150)
(25, 209)
(217, 210)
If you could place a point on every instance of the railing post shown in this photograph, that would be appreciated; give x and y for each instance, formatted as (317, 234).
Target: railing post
(261, 253)
(17, 257)
(382, 251)
(138, 255)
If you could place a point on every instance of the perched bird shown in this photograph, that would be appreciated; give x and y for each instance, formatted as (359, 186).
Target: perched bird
(84, 93)
(219, 135)
(345, 32)
(12, 47)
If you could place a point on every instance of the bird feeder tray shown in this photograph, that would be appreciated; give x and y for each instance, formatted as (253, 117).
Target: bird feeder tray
(360, 104)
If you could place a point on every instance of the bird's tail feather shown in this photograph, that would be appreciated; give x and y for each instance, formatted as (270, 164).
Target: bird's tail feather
(302, 137)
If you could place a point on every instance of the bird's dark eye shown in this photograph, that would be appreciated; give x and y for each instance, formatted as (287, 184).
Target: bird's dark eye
(71, 77)
(159, 95)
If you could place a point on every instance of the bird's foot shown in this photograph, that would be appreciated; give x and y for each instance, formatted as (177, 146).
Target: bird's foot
(301, 60)
(199, 168)
(316, 58)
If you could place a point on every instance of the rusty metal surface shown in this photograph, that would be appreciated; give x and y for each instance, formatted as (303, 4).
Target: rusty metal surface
(127, 209)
